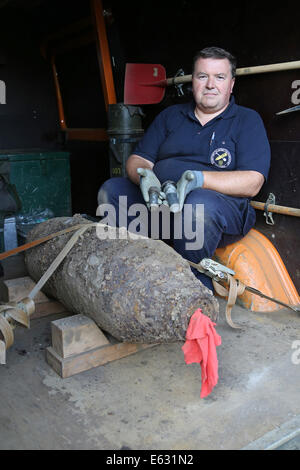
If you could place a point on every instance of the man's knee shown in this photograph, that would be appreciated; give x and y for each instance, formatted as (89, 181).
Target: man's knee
(202, 209)
(116, 188)
(205, 207)
(110, 190)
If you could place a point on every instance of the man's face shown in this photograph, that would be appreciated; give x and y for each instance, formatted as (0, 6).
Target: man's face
(212, 84)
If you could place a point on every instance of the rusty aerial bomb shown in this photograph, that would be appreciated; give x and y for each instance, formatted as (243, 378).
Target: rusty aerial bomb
(138, 290)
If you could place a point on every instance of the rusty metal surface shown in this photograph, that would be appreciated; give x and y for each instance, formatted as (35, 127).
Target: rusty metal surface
(137, 290)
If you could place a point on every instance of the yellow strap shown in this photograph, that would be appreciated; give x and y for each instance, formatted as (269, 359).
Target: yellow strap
(7, 332)
(236, 288)
(60, 257)
(2, 352)
(27, 246)
(20, 316)
(12, 314)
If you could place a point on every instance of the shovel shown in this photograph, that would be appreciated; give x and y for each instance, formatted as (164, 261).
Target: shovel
(146, 83)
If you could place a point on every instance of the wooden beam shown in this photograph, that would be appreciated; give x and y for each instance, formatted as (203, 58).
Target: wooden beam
(103, 54)
(61, 113)
(106, 75)
(66, 367)
(93, 135)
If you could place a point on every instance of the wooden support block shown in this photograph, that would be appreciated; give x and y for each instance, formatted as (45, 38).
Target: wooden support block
(13, 290)
(96, 357)
(43, 309)
(76, 334)
(77, 347)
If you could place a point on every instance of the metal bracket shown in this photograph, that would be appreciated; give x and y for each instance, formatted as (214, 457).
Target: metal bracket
(216, 270)
(179, 86)
(289, 110)
(268, 215)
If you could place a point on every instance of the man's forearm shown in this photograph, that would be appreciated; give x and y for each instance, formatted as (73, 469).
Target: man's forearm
(134, 162)
(234, 183)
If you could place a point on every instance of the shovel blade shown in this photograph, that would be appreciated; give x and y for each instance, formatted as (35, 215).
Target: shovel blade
(144, 83)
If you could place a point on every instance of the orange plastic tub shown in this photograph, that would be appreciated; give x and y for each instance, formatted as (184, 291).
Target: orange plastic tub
(257, 263)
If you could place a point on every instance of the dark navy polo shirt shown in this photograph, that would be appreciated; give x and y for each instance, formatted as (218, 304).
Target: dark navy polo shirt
(176, 141)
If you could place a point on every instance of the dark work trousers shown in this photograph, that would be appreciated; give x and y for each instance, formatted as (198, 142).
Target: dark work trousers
(217, 221)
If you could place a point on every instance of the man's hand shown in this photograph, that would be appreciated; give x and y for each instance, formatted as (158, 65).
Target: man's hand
(189, 180)
(148, 179)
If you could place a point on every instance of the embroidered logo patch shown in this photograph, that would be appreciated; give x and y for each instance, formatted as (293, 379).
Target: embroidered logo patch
(221, 158)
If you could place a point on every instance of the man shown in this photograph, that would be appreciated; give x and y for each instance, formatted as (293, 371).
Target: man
(216, 151)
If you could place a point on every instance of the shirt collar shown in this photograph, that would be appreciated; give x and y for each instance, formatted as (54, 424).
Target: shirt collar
(229, 112)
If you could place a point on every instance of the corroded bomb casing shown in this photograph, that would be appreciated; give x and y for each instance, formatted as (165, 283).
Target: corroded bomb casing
(138, 290)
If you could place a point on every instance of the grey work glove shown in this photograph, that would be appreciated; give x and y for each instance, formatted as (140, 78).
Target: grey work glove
(148, 179)
(189, 181)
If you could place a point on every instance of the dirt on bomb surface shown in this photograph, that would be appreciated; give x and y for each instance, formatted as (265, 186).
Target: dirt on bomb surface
(138, 290)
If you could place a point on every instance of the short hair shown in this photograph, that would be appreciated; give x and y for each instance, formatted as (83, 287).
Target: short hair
(216, 53)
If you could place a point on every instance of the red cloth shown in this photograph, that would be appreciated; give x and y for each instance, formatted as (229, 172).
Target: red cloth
(200, 346)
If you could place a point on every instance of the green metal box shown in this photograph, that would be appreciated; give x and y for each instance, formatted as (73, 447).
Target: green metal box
(42, 180)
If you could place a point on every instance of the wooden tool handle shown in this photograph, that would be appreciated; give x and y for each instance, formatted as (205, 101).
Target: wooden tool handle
(269, 68)
(245, 71)
(182, 79)
(277, 209)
